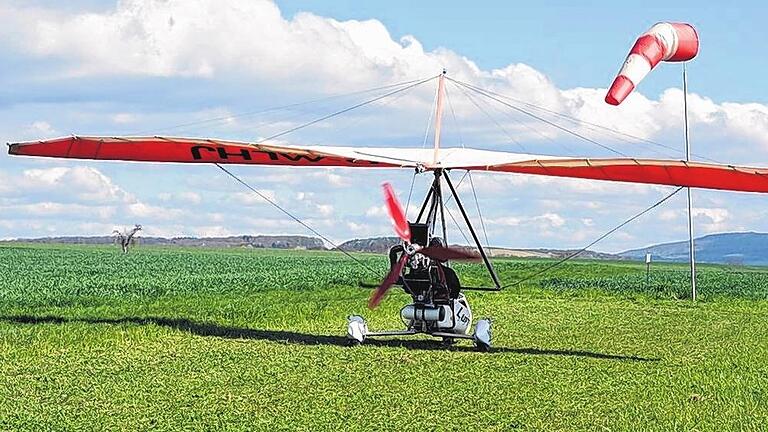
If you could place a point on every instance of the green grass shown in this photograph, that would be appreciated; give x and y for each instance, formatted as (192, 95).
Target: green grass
(199, 339)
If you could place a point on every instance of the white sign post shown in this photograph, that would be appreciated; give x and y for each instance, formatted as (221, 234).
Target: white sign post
(647, 269)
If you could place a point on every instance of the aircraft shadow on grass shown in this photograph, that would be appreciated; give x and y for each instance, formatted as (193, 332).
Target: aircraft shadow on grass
(290, 337)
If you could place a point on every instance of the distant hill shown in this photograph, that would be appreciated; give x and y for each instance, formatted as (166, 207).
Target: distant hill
(748, 248)
(378, 245)
(730, 248)
(258, 241)
(370, 245)
(382, 245)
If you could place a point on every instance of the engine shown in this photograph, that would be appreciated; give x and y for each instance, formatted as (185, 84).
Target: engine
(453, 317)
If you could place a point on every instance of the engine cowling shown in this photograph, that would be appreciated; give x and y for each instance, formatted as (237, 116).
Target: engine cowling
(454, 318)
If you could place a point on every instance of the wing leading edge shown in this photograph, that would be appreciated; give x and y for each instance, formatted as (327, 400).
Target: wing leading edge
(200, 150)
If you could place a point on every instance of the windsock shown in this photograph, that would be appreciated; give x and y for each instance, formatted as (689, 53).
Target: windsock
(672, 42)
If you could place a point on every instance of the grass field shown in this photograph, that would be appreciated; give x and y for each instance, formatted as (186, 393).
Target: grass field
(199, 339)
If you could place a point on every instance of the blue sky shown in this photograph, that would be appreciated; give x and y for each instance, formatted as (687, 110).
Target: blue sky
(106, 67)
(561, 38)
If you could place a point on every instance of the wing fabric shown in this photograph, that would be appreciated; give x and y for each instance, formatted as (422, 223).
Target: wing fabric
(648, 171)
(201, 150)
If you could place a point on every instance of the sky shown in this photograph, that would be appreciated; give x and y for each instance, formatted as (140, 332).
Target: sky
(215, 69)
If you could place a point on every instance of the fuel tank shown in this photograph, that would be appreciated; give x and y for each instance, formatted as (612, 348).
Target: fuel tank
(455, 317)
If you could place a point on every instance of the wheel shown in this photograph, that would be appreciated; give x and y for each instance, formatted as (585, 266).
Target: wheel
(483, 335)
(357, 329)
(481, 347)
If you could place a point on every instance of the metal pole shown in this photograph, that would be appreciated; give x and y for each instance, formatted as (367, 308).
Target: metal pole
(487, 262)
(442, 216)
(426, 201)
(647, 272)
(438, 115)
(692, 246)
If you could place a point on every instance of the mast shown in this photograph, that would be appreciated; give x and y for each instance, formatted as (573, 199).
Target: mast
(691, 245)
(439, 115)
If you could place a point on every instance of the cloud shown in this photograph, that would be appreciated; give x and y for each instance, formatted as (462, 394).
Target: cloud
(124, 118)
(546, 220)
(184, 38)
(185, 197)
(143, 45)
(65, 183)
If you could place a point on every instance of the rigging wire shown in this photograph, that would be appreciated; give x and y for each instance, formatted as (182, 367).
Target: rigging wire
(345, 110)
(616, 132)
(295, 218)
(511, 117)
(432, 110)
(479, 214)
(472, 183)
(537, 117)
(298, 114)
(461, 180)
(275, 108)
(381, 103)
(458, 227)
(619, 134)
(602, 237)
(493, 119)
(453, 115)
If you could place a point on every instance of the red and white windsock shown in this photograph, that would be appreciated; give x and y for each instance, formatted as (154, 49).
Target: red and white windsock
(672, 42)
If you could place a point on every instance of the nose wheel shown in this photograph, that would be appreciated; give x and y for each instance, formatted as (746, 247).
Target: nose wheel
(483, 335)
(357, 330)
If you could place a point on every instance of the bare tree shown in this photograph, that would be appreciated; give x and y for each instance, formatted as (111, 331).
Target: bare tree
(125, 238)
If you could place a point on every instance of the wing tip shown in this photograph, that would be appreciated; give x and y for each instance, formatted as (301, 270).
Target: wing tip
(13, 148)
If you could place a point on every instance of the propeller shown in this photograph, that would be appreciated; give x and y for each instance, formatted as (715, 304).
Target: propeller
(396, 213)
(403, 230)
(391, 278)
(443, 254)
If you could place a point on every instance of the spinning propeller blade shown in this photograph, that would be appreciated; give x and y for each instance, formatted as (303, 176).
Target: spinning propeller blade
(396, 212)
(391, 278)
(442, 254)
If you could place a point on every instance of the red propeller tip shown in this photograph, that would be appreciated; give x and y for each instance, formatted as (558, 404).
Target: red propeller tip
(392, 277)
(396, 213)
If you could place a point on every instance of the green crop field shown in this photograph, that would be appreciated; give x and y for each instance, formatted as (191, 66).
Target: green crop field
(202, 339)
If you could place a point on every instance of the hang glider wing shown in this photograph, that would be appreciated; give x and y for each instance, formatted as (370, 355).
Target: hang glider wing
(631, 170)
(199, 150)
(202, 150)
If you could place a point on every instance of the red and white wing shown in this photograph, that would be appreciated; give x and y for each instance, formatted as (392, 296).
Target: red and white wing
(203, 150)
(193, 150)
(631, 170)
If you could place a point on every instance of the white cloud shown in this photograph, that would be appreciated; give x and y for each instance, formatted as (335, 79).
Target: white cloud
(81, 182)
(186, 197)
(42, 128)
(185, 38)
(550, 219)
(325, 209)
(124, 118)
(252, 199)
(178, 38)
(712, 219)
(546, 220)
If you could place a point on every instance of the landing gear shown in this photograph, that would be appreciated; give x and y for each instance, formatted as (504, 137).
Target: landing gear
(357, 333)
(357, 330)
(483, 335)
